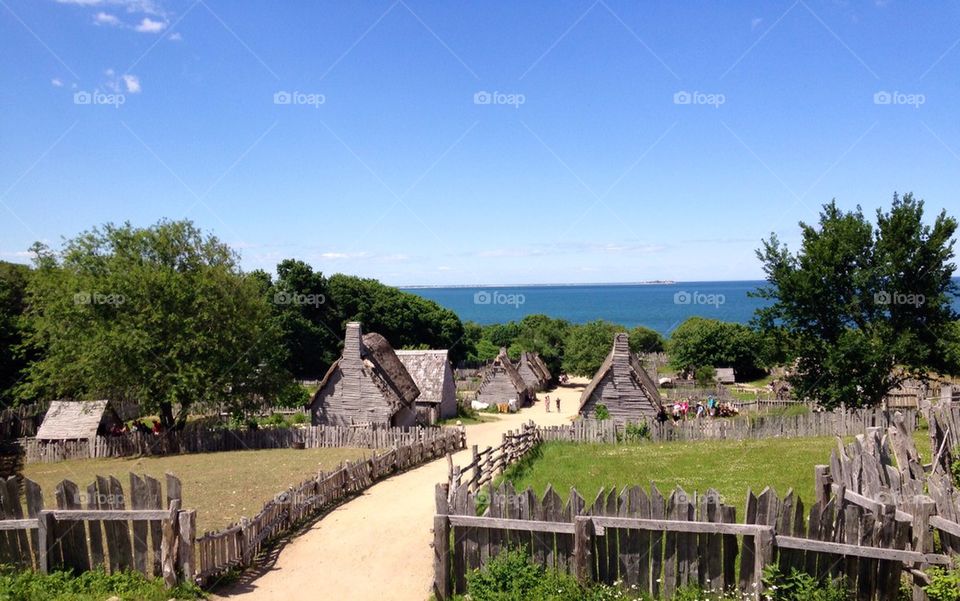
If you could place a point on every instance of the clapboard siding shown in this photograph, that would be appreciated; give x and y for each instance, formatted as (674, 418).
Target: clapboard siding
(621, 386)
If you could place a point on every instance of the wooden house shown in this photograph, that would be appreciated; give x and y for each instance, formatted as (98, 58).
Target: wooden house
(533, 371)
(622, 386)
(368, 384)
(78, 420)
(432, 373)
(502, 383)
(725, 375)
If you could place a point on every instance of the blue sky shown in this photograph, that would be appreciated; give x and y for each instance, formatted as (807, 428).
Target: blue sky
(474, 142)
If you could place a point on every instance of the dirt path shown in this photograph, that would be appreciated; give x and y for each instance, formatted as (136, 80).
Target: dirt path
(377, 547)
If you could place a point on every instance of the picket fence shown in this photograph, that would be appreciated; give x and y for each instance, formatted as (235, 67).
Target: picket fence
(655, 545)
(91, 528)
(825, 423)
(208, 440)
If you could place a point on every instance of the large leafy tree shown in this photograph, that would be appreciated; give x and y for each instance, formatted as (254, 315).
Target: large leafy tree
(645, 340)
(13, 285)
(543, 335)
(587, 345)
(701, 342)
(160, 315)
(405, 319)
(863, 308)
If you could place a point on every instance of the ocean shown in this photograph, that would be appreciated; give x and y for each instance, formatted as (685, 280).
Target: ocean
(661, 307)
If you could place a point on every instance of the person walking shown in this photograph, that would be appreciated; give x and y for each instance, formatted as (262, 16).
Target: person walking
(546, 403)
(558, 404)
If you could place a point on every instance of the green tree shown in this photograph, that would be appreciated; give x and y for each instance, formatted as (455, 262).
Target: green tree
(543, 335)
(13, 285)
(863, 308)
(645, 340)
(699, 342)
(405, 319)
(587, 345)
(162, 316)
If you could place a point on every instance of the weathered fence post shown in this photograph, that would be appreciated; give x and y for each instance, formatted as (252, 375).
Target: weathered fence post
(763, 556)
(583, 532)
(823, 483)
(441, 546)
(922, 507)
(475, 479)
(45, 539)
(168, 545)
(188, 534)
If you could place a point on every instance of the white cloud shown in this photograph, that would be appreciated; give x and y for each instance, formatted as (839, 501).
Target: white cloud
(175, 36)
(132, 83)
(102, 18)
(55, 82)
(149, 7)
(148, 25)
(755, 22)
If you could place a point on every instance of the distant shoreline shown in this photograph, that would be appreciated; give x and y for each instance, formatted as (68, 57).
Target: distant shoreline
(641, 283)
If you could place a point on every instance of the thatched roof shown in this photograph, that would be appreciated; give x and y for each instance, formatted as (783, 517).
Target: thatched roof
(71, 420)
(725, 375)
(621, 353)
(502, 361)
(543, 366)
(528, 359)
(427, 368)
(378, 351)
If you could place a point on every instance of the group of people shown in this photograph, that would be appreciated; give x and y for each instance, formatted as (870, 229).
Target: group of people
(546, 403)
(682, 408)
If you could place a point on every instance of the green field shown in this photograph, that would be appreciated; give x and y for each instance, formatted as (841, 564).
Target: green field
(730, 467)
(222, 487)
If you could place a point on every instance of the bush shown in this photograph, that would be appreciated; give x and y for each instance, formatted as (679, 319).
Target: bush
(276, 420)
(94, 585)
(601, 412)
(636, 432)
(704, 375)
(511, 576)
(944, 585)
(300, 418)
(800, 586)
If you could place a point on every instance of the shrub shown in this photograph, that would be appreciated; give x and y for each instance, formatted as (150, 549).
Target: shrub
(511, 576)
(800, 586)
(944, 585)
(300, 418)
(94, 585)
(601, 412)
(637, 431)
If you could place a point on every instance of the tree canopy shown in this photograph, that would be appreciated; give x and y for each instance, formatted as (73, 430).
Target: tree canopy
(862, 308)
(700, 342)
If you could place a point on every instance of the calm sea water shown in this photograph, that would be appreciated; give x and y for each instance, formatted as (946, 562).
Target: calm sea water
(658, 306)
(661, 307)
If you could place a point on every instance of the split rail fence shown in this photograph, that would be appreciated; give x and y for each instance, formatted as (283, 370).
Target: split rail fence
(206, 440)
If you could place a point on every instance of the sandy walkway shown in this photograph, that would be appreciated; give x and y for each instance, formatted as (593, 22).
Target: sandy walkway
(377, 546)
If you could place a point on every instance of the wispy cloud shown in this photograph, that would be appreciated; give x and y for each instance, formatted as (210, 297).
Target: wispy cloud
(175, 36)
(102, 18)
(56, 82)
(132, 83)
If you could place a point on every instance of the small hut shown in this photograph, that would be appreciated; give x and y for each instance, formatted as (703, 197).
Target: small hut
(433, 375)
(622, 386)
(78, 420)
(368, 384)
(502, 383)
(533, 371)
(725, 375)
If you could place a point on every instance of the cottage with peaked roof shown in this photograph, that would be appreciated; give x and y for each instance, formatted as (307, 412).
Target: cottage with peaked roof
(725, 375)
(433, 375)
(622, 386)
(78, 420)
(533, 371)
(502, 383)
(368, 384)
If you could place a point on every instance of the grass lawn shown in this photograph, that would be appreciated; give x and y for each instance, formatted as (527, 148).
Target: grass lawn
(222, 487)
(731, 467)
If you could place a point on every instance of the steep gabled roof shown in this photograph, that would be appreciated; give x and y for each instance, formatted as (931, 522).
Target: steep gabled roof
(621, 352)
(378, 351)
(502, 360)
(70, 420)
(428, 369)
(543, 366)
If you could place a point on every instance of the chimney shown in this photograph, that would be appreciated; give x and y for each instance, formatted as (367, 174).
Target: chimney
(351, 342)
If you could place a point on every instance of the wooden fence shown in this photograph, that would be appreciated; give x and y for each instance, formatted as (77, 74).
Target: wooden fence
(208, 440)
(655, 545)
(239, 545)
(486, 464)
(827, 423)
(20, 422)
(92, 528)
